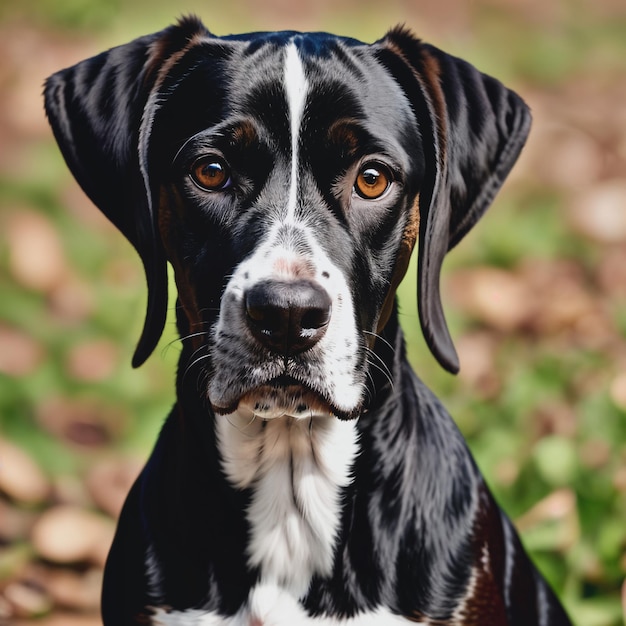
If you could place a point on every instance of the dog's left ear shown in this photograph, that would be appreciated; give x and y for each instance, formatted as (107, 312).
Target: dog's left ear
(101, 111)
(472, 129)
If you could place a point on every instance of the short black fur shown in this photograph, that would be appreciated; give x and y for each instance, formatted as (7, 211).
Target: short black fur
(419, 532)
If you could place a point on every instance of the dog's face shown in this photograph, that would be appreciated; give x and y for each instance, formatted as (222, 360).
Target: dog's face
(283, 215)
(287, 178)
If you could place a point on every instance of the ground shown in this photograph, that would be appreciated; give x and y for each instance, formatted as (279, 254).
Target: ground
(536, 297)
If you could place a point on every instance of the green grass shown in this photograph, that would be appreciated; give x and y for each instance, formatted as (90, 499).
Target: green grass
(524, 457)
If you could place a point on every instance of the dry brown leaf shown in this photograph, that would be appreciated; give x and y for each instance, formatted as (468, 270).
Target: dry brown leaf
(477, 354)
(63, 619)
(559, 506)
(15, 522)
(84, 422)
(618, 390)
(20, 476)
(564, 156)
(69, 534)
(74, 590)
(595, 453)
(496, 297)
(110, 481)
(600, 212)
(555, 418)
(36, 257)
(21, 354)
(92, 361)
(27, 600)
(72, 301)
(611, 271)
(619, 479)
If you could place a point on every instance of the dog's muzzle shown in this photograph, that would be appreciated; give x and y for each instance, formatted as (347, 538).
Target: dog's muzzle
(286, 341)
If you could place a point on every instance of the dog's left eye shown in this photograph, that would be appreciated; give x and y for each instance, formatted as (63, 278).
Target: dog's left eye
(372, 181)
(210, 173)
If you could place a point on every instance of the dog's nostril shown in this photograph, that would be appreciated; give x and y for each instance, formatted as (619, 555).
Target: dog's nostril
(315, 318)
(287, 317)
(262, 315)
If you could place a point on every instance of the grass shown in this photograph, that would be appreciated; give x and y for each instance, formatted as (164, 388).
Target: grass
(549, 434)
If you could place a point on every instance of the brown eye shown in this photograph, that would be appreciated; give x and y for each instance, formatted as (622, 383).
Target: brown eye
(210, 173)
(372, 182)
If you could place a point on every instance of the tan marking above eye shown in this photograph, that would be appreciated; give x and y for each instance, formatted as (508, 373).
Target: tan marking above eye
(372, 181)
(210, 173)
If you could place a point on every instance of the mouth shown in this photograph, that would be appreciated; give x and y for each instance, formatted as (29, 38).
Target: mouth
(284, 396)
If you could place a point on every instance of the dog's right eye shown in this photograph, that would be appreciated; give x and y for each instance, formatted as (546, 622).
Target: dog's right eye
(210, 173)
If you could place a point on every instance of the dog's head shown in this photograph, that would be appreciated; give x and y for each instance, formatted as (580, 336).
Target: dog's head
(286, 177)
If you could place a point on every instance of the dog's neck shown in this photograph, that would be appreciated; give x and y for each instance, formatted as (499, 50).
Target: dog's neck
(295, 471)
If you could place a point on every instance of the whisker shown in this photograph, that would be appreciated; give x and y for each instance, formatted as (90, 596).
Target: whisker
(369, 391)
(201, 333)
(242, 430)
(176, 340)
(193, 364)
(383, 367)
(384, 371)
(391, 347)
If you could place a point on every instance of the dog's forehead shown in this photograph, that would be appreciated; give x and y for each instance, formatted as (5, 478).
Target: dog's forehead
(335, 77)
(314, 43)
(325, 60)
(291, 85)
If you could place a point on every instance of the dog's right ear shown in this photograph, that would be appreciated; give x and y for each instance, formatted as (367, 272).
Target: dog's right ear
(101, 112)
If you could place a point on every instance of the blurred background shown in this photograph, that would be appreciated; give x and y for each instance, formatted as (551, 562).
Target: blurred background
(535, 296)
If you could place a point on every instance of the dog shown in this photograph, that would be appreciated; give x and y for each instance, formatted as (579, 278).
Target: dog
(305, 474)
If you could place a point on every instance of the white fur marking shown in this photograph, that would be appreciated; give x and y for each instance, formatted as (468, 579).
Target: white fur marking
(296, 468)
(269, 605)
(296, 87)
(333, 362)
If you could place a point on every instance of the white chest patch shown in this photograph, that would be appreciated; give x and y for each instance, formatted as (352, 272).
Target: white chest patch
(270, 606)
(296, 469)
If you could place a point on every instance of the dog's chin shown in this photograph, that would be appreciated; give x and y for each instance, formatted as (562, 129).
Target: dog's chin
(284, 398)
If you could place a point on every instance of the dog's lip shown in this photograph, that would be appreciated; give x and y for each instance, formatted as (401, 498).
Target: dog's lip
(313, 401)
(284, 381)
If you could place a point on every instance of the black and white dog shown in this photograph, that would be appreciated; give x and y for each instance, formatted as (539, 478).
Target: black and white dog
(305, 474)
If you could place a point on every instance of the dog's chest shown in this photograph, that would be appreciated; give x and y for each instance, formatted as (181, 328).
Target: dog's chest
(295, 470)
(270, 606)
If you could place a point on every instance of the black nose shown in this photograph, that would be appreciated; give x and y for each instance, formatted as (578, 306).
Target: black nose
(287, 317)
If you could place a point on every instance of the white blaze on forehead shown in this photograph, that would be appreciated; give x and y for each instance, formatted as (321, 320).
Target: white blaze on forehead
(296, 89)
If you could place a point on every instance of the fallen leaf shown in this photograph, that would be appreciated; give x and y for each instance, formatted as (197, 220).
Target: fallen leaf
(85, 422)
(21, 354)
(74, 590)
(600, 212)
(36, 257)
(611, 271)
(92, 361)
(69, 534)
(15, 523)
(477, 354)
(617, 390)
(20, 477)
(71, 301)
(496, 297)
(109, 482)
(557, 507)
(27, 600)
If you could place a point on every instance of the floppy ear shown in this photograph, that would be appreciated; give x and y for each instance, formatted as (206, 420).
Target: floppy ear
(101, 111)
(473, 129)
